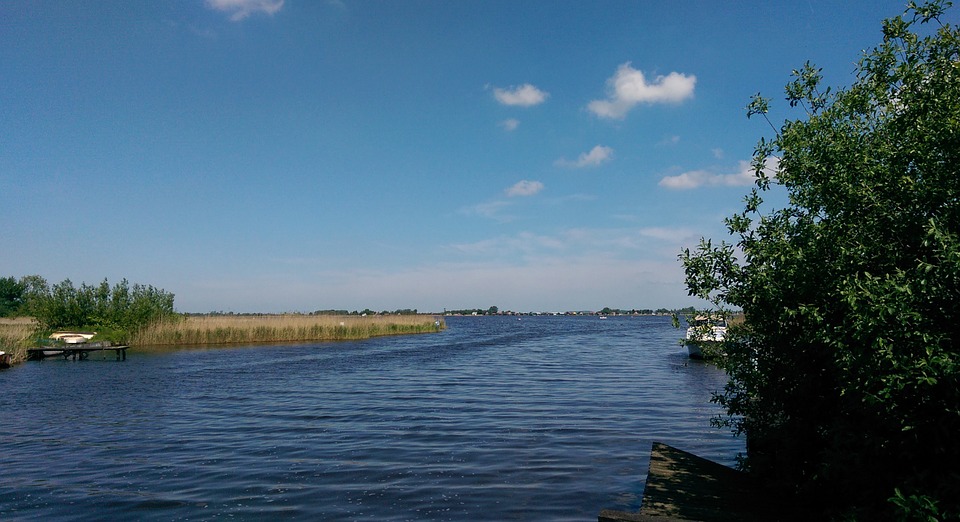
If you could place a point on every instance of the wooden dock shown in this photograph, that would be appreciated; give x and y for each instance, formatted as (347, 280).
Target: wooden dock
(684, 487)
(79, 351)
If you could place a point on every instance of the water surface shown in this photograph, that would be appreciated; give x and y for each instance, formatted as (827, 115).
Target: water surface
(495, 418)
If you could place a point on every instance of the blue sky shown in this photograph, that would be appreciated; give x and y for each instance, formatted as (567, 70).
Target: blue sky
(295, 155)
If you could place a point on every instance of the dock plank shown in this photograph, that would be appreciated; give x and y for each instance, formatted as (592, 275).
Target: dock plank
(684, 487)
(77, 351)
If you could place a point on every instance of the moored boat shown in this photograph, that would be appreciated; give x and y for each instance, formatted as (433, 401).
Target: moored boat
(72, 337)
(705, 331)
(58, 341)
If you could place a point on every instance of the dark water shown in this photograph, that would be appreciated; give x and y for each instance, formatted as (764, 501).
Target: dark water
(544, 418)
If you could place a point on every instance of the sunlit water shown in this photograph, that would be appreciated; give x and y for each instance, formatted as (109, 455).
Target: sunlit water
(543, 418)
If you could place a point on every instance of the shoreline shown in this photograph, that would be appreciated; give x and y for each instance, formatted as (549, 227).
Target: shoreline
(17, 336)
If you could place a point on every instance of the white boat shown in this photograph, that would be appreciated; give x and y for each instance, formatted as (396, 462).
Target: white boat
(66, 338)
(72, 337)
(704, 331)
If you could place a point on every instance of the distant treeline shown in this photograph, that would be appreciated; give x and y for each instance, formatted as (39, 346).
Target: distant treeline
(364, 312)
(493, 310)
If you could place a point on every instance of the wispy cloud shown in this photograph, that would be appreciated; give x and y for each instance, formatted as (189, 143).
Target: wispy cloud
(668, 234)
(496, 209)
(510, 124)
(629, 87)
(488, 209)
(525, 95)
(524, 188)
(535, 284)
(596, 156)
(743, 176)
(622, 241)
(524, 271)
(657, 245)
(524, 243)
(669, 140)
(240, 9)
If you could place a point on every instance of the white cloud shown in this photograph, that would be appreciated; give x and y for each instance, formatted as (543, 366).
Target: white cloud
(241, 9)
(628, 87)
(495, 209)
(510, 125)
(668, 234)
(669, 140)
(490, 209)
(525, 95)
(597, 156)
(744, 176)
(691, 180)
(525, 188)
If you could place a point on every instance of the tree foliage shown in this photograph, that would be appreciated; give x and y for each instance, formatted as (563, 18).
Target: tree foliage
(844, 376)
(121, 308)
(11, 296)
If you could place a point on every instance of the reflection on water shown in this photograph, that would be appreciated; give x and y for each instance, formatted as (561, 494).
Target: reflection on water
(544, 418)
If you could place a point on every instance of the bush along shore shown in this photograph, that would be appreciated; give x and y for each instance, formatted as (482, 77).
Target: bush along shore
(845, 375)
(16, 335)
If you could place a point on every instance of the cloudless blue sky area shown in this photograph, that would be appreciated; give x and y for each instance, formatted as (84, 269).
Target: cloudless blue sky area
(271, 156)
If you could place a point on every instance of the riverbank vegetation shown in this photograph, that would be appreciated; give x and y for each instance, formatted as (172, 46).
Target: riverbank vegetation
(844, 376)
(223, 329)
(142, 315)
(16, 335)
(33, 309)
(113, 312)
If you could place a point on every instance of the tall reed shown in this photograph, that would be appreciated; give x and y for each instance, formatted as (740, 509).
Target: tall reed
(16, 335)
(202, 330)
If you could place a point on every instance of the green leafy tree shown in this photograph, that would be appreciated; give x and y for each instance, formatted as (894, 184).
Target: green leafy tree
(11, 296)
(35, 291)
(118, 310)
(844, 375)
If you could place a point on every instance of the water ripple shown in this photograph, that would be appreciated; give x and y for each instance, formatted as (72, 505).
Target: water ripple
(492, 419)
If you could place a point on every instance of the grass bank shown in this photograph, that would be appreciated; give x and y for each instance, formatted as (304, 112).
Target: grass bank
(16, 335)
(237, 329)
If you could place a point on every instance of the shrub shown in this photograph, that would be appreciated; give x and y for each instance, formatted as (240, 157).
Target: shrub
(844, 375)
(116, 311)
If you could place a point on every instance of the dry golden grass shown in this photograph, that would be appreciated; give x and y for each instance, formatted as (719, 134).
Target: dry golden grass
(16, 335)
(205, 330)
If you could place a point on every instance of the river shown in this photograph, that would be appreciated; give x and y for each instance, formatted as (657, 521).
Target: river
(494, 418)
